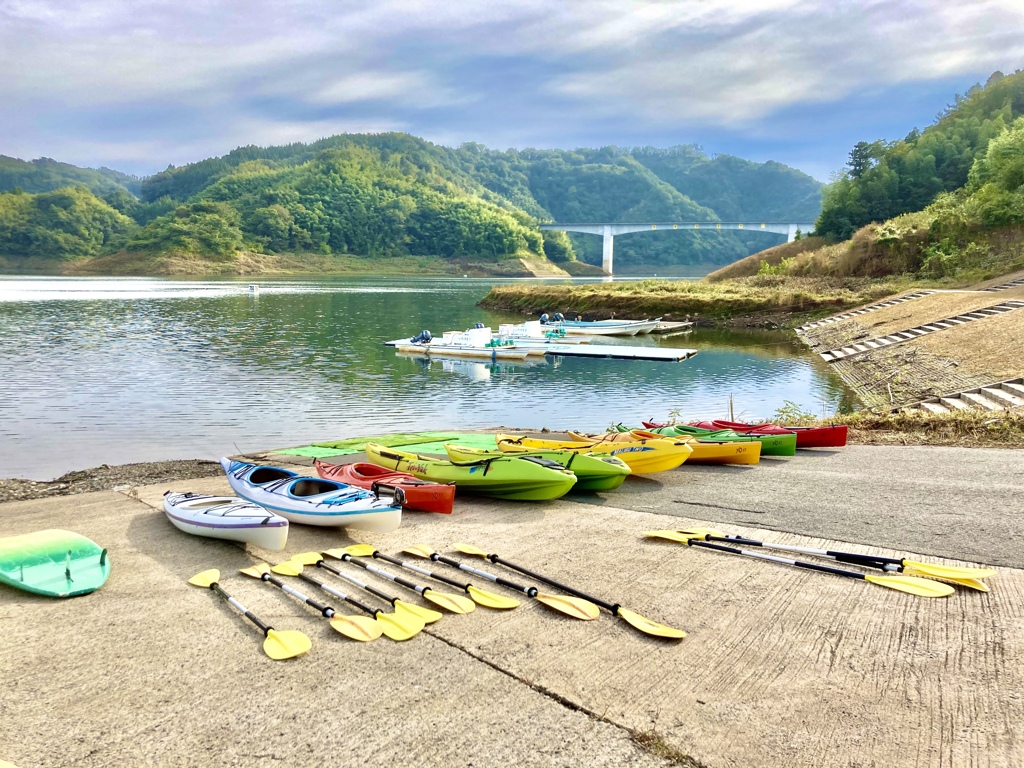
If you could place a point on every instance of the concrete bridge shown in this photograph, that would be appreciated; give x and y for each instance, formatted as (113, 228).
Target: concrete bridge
(609, 231)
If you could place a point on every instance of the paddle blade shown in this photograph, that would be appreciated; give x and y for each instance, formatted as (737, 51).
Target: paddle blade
(361, 628)
(420, 550)
(285, 644)
(453, 603)
(307, 558)
(649, 627)
(469, 549)
(288, 568)
(675, 536)
(491, 600)
(360, 550)
(399, 626)
(698, 533)
(205, 579)
(912, 585)
(426, 615)
(256, 571)
(960, 582)
(577, 607)
(951, 572)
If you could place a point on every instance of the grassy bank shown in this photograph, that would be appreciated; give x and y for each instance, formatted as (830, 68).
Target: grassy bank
(760, 299)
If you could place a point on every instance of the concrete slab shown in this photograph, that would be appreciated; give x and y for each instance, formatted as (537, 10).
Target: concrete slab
(782, 667)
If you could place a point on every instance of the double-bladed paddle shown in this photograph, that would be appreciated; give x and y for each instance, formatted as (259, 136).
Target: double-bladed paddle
(283, 644)
(964, 576)
(571, 606)
(479, 596)
(360, 628)
(632, 618)
(909, 584)
(397, 626)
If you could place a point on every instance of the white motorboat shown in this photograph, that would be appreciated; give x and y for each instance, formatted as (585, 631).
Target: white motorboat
(600, 327)
(476, 342)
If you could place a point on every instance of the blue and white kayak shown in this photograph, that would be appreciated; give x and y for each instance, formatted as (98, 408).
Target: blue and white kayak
(226, 517)
(313, 500)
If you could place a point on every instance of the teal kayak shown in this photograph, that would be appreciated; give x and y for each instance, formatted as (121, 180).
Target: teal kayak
(54, 563)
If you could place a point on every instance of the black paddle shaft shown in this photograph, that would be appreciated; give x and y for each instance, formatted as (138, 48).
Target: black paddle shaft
(264, 627)
(385, 575)
(346, 598)
(774, 559)
(368, 587)
(464, 586)
(612, 607)
(528, 591)
(865, 561)
(325, 610)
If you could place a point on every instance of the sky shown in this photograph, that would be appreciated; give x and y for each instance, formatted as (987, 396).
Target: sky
(139, 84)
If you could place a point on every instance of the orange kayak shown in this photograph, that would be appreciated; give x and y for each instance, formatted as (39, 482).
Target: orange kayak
(420, 495)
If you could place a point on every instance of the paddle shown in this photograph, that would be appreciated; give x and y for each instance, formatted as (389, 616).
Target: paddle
(570, 606)
(963, 575)
(480, 596)
(909, 584)
(278, 644)
(453, 603)
(392, 625)
(632, 618)
(359, 628)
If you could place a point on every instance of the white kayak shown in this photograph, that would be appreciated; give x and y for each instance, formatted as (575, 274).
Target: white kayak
(226, 517)
(313, 500)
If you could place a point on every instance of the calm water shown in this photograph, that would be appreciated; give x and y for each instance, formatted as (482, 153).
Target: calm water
(100, 370)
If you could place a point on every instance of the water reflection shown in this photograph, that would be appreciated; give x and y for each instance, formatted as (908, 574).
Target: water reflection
(147, 369)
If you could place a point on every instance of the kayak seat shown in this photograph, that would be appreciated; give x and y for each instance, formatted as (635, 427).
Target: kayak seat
(264, 475)
(309, 486)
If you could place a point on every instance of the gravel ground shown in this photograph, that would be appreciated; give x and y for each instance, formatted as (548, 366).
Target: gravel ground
(105, 478)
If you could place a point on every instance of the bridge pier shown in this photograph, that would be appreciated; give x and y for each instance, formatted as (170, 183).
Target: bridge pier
(609, 249)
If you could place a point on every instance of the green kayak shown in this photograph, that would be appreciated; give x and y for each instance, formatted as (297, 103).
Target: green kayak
(502, 477)
(771, 445)
(594, 472)
(54, 563)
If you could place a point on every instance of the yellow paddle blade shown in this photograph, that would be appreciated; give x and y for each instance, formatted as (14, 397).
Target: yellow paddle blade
(453, 603)
(256, 571)
(912, 585)
(307, 558)
(359, 550)
(205, 579)
(426, 615)
(288, 568)
(285, 644)
(675, 536)
(951, 572)
(399, 626)
(361, 628)
(960, 582)
(420, 550)
(576, 607)
(469, 549)
(491, 600)
(699, 533)
(649, 627)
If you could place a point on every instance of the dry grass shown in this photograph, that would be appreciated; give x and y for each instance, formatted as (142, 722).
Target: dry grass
(928, 309)
(993, 347)
(752, 264)
(966, 429)
(655, 744)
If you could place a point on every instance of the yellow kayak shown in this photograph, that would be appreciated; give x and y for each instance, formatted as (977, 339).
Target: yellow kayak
(643, 456)
(703, 452)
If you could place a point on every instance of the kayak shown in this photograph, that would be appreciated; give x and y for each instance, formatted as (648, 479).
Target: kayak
(503, 477)
(806, 437)
(771, 445)
(642, 456)
(593, 472)
(313, 500)
(745, 452)
(226, 517)
(54, 562)
(420, 495)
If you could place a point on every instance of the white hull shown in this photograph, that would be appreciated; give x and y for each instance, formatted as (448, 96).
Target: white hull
(226, 517)
(341, 505)
(449, 350)
(626, 328)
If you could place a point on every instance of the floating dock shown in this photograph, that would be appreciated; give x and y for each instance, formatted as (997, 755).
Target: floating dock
(620, 352)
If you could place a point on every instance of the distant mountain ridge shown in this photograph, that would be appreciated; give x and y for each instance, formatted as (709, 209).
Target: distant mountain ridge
(393, 194)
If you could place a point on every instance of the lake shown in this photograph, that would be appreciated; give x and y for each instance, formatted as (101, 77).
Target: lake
(117, 370)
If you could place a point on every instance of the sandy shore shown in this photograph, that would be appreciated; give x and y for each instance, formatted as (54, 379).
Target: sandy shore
(781, 667)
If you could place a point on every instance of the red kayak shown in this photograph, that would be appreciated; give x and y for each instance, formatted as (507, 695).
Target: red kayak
(420, 495)
(806, 437)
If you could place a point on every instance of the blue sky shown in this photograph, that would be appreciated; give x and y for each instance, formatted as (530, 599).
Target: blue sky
(138, 84)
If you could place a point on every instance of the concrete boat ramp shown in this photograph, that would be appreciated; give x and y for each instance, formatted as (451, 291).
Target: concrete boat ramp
(782, 667)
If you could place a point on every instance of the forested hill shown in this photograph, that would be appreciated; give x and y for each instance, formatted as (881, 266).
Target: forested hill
(393, 194)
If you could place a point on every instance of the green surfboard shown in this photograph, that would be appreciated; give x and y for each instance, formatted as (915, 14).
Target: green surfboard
(55, 563)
